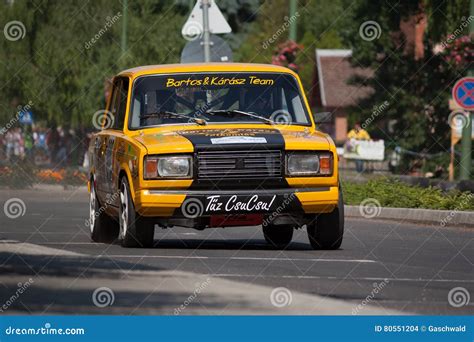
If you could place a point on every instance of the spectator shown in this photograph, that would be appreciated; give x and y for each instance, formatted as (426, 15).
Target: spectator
(52, 141)
(358, 133)
(28, 142)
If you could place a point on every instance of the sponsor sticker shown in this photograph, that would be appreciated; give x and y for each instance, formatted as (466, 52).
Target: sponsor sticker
(239, 140)
(217, 203)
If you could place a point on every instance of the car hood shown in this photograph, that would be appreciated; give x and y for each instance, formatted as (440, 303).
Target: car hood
(158, 141)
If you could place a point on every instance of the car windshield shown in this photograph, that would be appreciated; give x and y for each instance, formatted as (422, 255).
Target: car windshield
(217, 98)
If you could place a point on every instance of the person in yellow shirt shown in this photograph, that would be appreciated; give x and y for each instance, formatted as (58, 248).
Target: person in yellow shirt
(358, 133)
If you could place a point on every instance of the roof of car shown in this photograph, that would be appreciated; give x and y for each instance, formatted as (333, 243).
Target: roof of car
(204, 67)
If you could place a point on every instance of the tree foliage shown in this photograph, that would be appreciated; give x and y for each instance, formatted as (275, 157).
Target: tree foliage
(417, 89)
(70, 49)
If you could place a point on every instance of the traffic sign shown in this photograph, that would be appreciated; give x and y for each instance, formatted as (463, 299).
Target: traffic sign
(463, 93)
(194, 26)
(194, 53)
(26, 118)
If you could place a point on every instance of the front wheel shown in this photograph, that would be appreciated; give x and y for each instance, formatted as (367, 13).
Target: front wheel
(326, 232)
(278, 236)
(135, 231)
(103, 227)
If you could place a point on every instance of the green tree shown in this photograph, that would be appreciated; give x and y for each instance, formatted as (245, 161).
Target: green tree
(69, 50)
(417, 89)
(320, 24)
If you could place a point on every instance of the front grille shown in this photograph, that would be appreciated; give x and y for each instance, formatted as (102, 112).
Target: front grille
(239, 164)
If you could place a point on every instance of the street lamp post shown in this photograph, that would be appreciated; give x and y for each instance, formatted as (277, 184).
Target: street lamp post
(123, 44)
(206, 34)
(466, 142)
(293, 8)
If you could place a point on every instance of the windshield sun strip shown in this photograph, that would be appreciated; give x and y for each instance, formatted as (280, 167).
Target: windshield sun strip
(306, 109)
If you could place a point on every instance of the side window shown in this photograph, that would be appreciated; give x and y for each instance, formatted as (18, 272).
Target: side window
(113, 104)
(122, 99)
(119, 102)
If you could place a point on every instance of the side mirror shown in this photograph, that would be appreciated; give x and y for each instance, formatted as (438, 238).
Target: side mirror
(323, 117)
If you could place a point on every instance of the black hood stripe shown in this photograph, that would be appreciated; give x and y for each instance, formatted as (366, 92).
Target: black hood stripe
(212, 139)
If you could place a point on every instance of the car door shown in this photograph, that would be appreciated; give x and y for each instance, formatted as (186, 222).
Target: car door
(114, 144)
(102, 142)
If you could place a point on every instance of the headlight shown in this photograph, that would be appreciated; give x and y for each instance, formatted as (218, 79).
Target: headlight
(168, 167)
(308, 164)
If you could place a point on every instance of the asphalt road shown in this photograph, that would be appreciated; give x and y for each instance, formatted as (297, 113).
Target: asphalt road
(391, 265)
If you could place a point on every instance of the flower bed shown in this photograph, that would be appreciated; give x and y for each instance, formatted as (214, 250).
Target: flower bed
(12, 178)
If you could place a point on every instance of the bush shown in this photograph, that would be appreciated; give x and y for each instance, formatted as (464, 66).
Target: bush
(393, 193)
(14, 178)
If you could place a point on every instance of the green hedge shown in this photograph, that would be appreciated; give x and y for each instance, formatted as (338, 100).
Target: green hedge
(393, 193)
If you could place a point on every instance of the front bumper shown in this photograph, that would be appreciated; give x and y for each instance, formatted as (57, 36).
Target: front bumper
(194, 203)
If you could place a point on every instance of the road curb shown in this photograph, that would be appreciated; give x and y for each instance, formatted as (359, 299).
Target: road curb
(439, 218)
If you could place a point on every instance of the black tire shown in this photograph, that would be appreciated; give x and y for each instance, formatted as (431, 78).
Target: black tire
(103, 228)
(135, 231)
(327, 231)
(278, 236)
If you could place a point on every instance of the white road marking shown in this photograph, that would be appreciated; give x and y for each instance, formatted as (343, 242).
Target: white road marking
(63, 233)
(70, 243)
(58, 218)
(235, 258)
(224, 275)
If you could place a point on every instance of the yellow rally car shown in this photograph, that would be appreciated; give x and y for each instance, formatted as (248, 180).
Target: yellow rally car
(212, 145)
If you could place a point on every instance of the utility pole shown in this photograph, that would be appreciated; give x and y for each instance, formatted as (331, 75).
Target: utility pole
(291, 18)
(206, 34)
(123, 44)
(466, 142)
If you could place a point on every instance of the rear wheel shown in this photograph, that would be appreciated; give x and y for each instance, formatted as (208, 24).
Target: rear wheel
(135, 230)
(327, 231)
(278, 236)
(103, 227)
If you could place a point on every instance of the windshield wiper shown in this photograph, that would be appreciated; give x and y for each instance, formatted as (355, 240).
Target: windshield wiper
(230, 111)
(182, 116)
